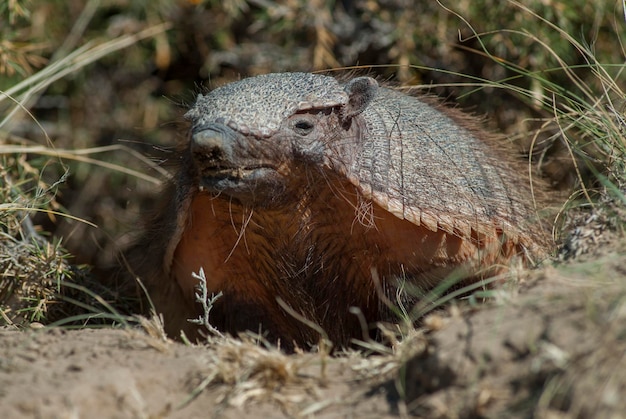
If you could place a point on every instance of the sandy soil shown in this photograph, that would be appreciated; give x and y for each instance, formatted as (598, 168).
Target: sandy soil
(556, 348)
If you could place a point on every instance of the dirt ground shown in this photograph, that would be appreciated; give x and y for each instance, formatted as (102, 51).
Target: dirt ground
(553, 348)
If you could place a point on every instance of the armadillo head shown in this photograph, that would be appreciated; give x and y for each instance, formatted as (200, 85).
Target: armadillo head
(252, 139)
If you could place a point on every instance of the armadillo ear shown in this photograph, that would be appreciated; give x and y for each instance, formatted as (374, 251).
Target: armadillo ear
(361, 91)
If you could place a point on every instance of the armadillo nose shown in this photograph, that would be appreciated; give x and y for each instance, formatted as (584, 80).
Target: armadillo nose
(207, 140)
(208, 146)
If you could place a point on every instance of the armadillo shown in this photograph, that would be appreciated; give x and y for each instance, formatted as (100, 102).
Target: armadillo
(305, 197)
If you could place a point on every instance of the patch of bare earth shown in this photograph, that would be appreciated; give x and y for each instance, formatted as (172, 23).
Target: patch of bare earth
(554, 349)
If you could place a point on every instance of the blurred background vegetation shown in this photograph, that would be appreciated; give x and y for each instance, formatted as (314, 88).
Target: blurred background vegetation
(94, 85)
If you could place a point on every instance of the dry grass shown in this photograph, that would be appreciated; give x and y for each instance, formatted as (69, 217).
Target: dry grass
(34, 270)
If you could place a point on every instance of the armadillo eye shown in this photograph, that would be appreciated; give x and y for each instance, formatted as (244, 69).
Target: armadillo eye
(303, 126)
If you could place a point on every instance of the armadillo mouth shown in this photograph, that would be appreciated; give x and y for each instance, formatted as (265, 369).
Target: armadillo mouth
(238, 181)
(234, 172)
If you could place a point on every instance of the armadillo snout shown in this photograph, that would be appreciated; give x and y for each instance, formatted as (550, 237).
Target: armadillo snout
(210, 148)
(207, 147)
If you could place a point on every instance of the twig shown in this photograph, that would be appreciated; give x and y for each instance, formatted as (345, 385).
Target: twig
(202, 297)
